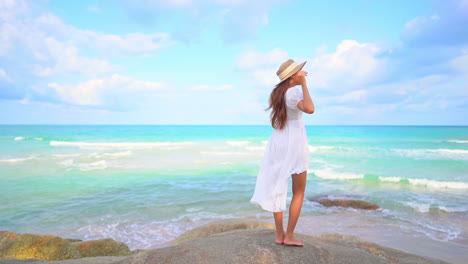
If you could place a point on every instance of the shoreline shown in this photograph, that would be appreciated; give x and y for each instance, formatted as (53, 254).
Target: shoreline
(358, 225)
(241, 238)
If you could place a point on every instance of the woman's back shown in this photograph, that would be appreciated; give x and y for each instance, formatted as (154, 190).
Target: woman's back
(292, 97)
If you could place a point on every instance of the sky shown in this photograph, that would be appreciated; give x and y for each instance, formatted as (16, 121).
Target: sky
(214, 62)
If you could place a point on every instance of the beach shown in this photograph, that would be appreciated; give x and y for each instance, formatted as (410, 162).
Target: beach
(146, 185)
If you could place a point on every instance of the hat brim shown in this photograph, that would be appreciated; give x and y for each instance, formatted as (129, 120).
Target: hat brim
(295, 70)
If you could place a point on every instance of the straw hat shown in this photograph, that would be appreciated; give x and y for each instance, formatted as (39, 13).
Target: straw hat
(288, 68)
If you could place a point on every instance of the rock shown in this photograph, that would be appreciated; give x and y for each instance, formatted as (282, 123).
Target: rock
(257, 246)
(102, 247)
(358, 204)
(90, 260)
(24, 246)
(219, 226)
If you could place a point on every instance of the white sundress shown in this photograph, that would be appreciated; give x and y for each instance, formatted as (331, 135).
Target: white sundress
(286, 153)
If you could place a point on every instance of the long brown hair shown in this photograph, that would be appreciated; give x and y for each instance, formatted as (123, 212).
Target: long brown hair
(278, 104)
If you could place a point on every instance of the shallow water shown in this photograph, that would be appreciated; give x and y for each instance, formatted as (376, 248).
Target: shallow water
(145, 185)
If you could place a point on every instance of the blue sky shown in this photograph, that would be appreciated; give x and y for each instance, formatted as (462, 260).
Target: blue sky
(214, 61)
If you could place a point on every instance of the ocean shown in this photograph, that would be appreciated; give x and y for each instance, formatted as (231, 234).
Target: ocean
(145, 185)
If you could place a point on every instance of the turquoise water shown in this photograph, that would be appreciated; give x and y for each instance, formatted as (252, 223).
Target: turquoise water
(145, 185)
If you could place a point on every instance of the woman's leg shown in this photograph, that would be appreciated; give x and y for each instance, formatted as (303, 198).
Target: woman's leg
(279, 227)
(299, 183)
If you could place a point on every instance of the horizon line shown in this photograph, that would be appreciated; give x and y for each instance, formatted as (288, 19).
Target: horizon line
(218, 125)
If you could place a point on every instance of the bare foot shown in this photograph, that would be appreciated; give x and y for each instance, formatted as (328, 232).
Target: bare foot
(292, 241)
(279, 239)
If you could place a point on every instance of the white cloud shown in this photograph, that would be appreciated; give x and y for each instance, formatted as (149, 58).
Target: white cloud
(243, 21)
(253, 59)
(47, 47)
(435, 103)
(60, 58)
(358, 97)
(40, 53)
(428, 94)
(11, 8)
(8, 33)
(130, 44)
(445, 27)
(320, 50)
(348, 68)
(415, 26)
(267, 78)
(352, 65)
(204, 87)
(4, 76)
(354, 80)
(107, 44)
(167, 3)
(34, 46)
(262, 66)
(239, 19)
(460, 64)
(94, 9)
(116, 92)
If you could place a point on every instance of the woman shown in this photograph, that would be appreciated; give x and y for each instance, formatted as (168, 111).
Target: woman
(287, 151)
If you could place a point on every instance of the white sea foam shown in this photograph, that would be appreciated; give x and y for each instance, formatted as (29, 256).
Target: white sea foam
(426, 182)
(145, 235)
(65, 155)
(228, 153)
(431, 207)
(15, 160)
(120, 154)
(457, 151)
(457, 141)
(255, 148)
(432, 230)
(68, 162)
(419, 207)
(237, 143)
(390, 179)
(98, 165)
(170, 147)
(319, 148)
(456, 154)
(193, 209)
(440, 233)
(321, 161)
(23, 138)
(123, 145)
(331, 175)
(111, 154)
(438, 184)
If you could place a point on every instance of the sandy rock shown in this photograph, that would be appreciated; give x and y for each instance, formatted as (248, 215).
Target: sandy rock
(102, 247)
(25, 246)
(256, 246)
(219, 226)
(22, 246)
(90, 260)
(358, 204)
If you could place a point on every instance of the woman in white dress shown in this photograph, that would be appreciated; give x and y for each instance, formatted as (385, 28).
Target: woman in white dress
(287, 151)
